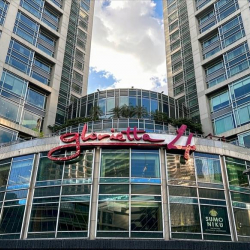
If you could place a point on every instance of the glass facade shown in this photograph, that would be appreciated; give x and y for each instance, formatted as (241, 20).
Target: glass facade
(20, 102)
(3, 10)
(216, 13)
(150, 102)
(74, 58)
(42, 199)
(31, 31)
(230, 108)
(39, 9)
(183, 76)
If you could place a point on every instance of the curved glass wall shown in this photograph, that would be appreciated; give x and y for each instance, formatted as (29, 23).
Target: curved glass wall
(109, 99)
(204, 198)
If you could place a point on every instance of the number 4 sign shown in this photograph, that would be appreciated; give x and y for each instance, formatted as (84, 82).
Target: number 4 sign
(188, 146)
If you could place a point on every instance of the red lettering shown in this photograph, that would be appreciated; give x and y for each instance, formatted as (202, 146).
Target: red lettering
(118, 137)
(100, 137)
(92, 136)
(188, 147)
(146, 137)
(63, 138)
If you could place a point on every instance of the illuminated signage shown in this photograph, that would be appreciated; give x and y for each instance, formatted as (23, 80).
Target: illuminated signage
(123, 138)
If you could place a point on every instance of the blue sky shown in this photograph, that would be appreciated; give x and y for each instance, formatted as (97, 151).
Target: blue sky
(127, 46)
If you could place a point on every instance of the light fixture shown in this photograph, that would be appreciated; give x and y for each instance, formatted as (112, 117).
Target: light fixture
(98, 90)
(162, 92)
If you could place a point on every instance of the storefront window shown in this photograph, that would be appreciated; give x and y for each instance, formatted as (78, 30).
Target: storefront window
(49, 170)
(20, 172)
(144, 165)
(208, 168)
(113, 216)
(242, 221)
(126, 209)
(235, 168)
(114, 163)
(145, 216)
(180, 171)
(185, 218)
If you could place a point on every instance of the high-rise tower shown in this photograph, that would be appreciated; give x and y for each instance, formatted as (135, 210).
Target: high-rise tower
(45, 47)
(218, 33)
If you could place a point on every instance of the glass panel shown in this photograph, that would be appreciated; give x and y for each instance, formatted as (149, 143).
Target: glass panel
(36, 99)
(31, 121)
(49, 170)
(48, 191)
(114, 189)
(146, 216)
(242, 221)
(240, 197)
(13, 195)
(146, 189)
(12, 219)
(208, 170)
(115, 164)
(113, 216)
(184, 218)
(76, 189)
(43, 217)
(14, 84)
(73, 216)
(145, 164)
(182, 191)
(79, 168)
(180, 171)
(9, 110)
(4, 173)
(211, 193)
(235, 176)
(20, 174)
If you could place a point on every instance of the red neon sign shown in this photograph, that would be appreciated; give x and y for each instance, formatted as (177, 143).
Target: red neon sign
(132, 135)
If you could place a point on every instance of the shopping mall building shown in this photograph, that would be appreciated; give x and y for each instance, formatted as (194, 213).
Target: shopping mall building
(124, 188)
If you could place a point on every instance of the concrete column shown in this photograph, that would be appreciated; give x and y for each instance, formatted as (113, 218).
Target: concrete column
(165, 209)
(94, 201)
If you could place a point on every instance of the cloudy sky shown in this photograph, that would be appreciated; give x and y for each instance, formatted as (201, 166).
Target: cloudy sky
(128, 45)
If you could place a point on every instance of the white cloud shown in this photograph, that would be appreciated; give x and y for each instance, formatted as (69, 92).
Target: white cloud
(128, 43)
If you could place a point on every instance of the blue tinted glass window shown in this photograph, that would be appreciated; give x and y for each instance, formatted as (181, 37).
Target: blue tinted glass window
(223, 124)
(3, 10)
(20, 174)
(26, 28)
(19, 57)
(220, 101)
(146, 104)
(154, 105)
(33, 6)
(13, 83)
(145, 164)
(9, 110)
(240, 88)
(36, 99)
(132, 101)
(102, 104)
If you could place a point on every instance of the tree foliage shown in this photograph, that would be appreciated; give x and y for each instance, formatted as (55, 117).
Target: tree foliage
(139, 112)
